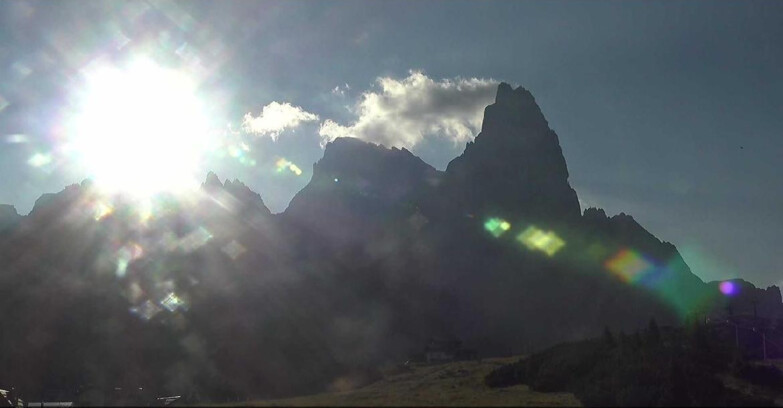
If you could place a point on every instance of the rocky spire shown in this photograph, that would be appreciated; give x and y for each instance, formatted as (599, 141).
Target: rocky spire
(234, 195)
(515, 166)
(212, 182)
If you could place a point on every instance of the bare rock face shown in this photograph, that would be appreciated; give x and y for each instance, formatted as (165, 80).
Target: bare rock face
(357, 187)
(234, 196)
(212, 182)
(514, 166)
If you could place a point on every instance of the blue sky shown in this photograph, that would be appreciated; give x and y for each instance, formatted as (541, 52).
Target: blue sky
(669, 111)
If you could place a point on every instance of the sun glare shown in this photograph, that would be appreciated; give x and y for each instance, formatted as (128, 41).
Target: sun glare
(139, 129)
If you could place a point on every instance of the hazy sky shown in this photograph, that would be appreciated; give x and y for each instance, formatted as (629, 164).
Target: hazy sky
(669, 111)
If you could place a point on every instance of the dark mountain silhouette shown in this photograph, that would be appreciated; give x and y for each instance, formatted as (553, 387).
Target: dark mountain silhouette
(214, 298)
(515, 165)
(748, 301)
(8, 217)
(357, 189)
(235, 196)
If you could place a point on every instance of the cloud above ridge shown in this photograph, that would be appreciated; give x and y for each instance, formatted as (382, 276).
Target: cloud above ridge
(402, 112)
(275, 118)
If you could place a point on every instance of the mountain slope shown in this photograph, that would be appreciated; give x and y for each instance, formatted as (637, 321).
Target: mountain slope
(452, 384)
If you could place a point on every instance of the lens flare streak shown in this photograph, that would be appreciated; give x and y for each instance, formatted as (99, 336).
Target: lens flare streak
(728, 288)
(39, 159)
(101, 210)
(536, 239)
(234, 249)
(635, 268)
(284, 164)
(195, 239)
(172, 302)
(126, 255)
(497, 226)
(146, 310)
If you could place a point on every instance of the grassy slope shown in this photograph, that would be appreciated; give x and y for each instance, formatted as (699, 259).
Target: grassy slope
(454, 384)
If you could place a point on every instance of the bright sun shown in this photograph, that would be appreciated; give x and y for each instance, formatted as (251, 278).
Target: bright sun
(139, 129)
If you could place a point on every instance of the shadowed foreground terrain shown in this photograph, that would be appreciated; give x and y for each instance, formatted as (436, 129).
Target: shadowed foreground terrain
(455, 384)
(671, 367)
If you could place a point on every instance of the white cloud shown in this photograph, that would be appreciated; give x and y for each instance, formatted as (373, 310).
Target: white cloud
(275, 118)
(340, 90)
(401, 113)
(334, 130)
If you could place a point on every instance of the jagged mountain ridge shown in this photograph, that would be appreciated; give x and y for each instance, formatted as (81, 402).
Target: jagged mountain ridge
(377, 253)
(357, 188)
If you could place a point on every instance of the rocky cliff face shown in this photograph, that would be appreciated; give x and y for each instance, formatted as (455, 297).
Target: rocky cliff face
(514, 166)
(357, 188)
(234, 196)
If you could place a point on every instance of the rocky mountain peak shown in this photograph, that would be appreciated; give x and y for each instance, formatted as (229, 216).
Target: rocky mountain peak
(354, 156)
(233, 195)
(355, 188)
(368, 169)
(52, 204)
(515, 166)
(212, 182)
(518, 99)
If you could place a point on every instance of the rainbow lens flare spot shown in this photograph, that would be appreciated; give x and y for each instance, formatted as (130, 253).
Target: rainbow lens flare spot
(195, 239)
(536, 239)
(728, 288)
(234, 249)
(283, 164)
(101, 210)
(241, 152)
(126, 255)
(39, 160)
(146, 310)
(629, 266)
(497, 226)
(172, 302)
